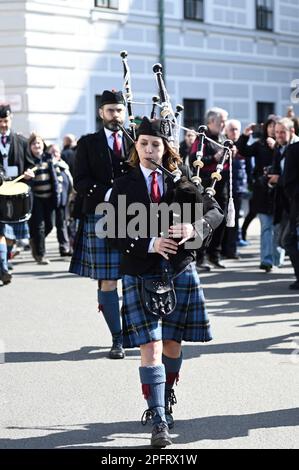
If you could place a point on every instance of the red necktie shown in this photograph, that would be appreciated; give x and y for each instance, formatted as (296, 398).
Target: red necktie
(117, 144)
(155, 190)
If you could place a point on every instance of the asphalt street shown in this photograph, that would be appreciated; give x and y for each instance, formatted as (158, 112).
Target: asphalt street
(58, 389)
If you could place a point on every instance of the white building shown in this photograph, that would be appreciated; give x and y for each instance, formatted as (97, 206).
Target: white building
(56, 56)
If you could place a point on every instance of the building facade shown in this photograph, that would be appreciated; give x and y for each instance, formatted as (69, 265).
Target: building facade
(57, 56)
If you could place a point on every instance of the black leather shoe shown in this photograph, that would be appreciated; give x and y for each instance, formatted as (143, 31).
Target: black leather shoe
(117, 351)
(6, 278)
(66, 253)
(266, 267)
(294, 286)
(216, 262)
(160, 436)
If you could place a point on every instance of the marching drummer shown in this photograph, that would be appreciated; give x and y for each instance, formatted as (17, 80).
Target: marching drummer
(14, 160)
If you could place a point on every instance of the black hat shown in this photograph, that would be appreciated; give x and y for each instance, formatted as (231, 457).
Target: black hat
(155, 127)
(5, 111)
(112, 97)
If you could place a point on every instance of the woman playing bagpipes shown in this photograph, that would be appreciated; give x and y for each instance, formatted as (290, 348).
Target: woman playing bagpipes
(163, 302)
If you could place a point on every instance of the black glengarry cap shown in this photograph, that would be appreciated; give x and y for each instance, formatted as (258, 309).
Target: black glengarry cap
(155, 127)
(112, 97)
(5, 110)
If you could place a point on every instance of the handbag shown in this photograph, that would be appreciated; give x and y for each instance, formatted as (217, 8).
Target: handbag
(158, 295)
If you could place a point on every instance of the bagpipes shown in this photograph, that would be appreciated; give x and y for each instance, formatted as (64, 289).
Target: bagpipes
(185, 191)
(128, 93)
(183, 186)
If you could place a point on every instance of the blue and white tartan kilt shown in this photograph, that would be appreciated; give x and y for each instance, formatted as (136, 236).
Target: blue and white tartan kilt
(92, 256)
(15, 231)
(188, 322)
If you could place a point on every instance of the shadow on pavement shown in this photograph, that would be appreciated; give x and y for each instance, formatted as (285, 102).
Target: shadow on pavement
(190, 351)
(261, 345)
(86, 353)
(213, 428)
(250, 294)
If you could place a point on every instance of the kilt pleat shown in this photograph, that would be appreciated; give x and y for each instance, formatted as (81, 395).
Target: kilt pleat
(15, 231)
(189, 322)
(92, 256)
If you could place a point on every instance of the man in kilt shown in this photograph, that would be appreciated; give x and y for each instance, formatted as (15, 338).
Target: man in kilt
(14, 160)
(100, 159)
(143, 258)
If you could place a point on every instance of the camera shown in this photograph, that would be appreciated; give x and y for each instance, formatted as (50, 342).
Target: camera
(257, 131)
(268, 170)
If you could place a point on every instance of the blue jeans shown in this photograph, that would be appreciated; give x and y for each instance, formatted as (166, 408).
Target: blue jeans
(271, 253)
(3, 258)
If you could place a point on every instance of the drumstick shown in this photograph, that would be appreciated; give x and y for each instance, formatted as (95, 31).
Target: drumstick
(21, 176)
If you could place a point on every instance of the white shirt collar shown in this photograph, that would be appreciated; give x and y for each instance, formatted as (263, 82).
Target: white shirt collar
(147, 171)
(5, 150)
(7, 134)
(109, 133)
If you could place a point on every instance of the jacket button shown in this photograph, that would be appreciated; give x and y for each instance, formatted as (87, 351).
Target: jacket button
(132, 245)
(128, 251)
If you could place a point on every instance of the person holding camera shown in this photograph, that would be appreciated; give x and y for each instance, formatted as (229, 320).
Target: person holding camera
(285, 137)
(262, 151)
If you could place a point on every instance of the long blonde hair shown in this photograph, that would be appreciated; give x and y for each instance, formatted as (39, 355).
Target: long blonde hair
(171, 158)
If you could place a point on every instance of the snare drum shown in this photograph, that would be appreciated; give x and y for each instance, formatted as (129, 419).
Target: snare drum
(16, 201)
